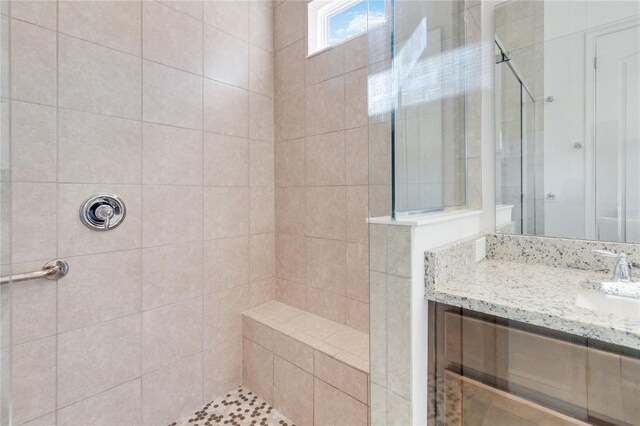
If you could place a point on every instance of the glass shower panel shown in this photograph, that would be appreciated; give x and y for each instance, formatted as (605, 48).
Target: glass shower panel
(428, 96)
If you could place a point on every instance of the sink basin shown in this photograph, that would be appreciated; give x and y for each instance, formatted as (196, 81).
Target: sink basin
(600, 302)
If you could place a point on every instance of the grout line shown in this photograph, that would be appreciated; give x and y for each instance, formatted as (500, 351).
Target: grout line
(57, 112)
(141, 413)
(202, 261)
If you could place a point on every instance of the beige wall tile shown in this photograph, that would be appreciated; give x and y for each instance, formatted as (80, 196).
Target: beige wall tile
(223, 315)
(291, 257)
(96, 79)
(42, 13)
(355, 99)
(165, 282)
(378, 329)
(99, 288)
(289, 115)
(229, 16)
(293, 350)
(33, 63)
(33, 218)
(261, 113)
(222, 367)
(262, 291)
(33, 141)
(261, 71)
(289, 23)
(261, 24)
(171, 333)
(226, 160)
(325, 159)
(257, 369)
(355, 53)
(110, 356)
(326, 212)
(226, 108)
(356, 156)
(290, 163)
(350, 340)
(46, 420)
(258, 332)
(171, 37)
(357, 199)
(293, 392)
(290, 210)
(358, 315)
(171, 214)
(261, 166)
(169, 393)
(326, 304)
(262, 218)
(378, 248)
(324, 65)
(358, 272)
(324, 106)
(226, 58)
(314, 326)
(335, 408)
(226, 212)
(326, 267)
(262, 257)
(345, 378)
(171, 96)
(399, 250)
(379, 149)
(289, 65)
(226, 263)
(120, 405)
(33, 307)
(97, 149)
(291, 293)
(171, 156)
(112, 24)
(76, 239)
(399, 379)
(191, 8)
(33, 379)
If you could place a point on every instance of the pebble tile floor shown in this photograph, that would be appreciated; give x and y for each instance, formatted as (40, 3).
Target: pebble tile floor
(240, 407)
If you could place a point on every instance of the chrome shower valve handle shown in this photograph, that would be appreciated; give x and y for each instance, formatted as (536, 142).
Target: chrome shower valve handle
(103, 212)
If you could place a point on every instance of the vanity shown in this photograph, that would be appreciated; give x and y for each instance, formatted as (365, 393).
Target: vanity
(527, 337)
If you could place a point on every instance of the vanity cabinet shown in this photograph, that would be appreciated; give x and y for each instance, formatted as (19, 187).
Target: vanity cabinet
(489, 371)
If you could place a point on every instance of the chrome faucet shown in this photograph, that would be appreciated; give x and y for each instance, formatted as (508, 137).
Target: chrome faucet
(622, 273)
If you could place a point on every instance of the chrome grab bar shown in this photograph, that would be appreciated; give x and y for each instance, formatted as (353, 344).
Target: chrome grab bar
(53, 270)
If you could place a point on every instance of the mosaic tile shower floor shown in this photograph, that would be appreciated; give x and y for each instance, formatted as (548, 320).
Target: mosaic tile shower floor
(240, 407)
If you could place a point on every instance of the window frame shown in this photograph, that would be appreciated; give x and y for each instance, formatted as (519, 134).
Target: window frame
(319, 14)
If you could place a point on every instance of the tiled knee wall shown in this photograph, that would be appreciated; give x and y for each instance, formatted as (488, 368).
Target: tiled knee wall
(305, 384)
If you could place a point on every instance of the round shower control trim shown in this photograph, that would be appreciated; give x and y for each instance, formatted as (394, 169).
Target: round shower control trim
(103, 212)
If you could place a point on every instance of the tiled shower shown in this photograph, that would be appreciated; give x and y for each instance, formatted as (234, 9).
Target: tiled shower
(243, 166)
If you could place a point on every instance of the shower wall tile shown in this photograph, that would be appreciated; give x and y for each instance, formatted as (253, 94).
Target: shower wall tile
(324, 65)
(293, 391)
(326, 212)
(226, 109)
(171, 37)
(290, 210)
(355, 98)
(324, 106)
(356, 153)
(96, 79)
(179, 279)
(289, 23)
(99, 288)
(289, 66)
(325, 159)
(171, 156)
(33, 63)
(229, 16)
(170, 105)
(289, 115)
(112, 24)
(290, 166)
(120, 405)
(257, 369)
(172, 392)
(33, 221)
(226, 58)
(98, 149)
(171, 333)
(33, 379)
(39, 12)
(332, 406)
(171, 96)
(110, 356)
(171, 214)
(226, 160)
(33, 141)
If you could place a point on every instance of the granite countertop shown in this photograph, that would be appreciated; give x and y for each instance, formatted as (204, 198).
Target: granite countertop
(540, 295)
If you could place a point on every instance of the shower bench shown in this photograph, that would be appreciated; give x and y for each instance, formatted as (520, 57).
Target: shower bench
(313, 370)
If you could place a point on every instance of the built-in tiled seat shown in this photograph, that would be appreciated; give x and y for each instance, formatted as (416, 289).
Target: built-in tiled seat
(315, 371)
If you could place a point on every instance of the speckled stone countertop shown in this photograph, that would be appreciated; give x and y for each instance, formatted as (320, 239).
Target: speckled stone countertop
(537, 294)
